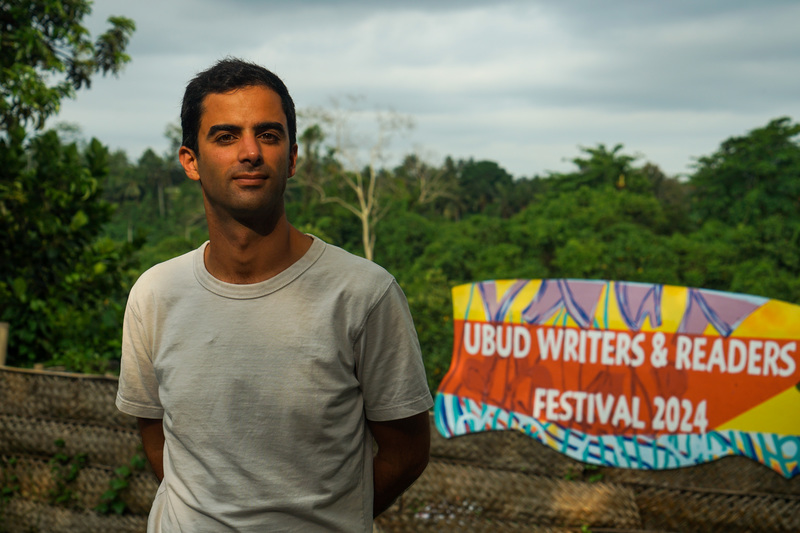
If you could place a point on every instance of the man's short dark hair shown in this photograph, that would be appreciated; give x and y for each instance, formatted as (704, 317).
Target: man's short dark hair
(227, 75)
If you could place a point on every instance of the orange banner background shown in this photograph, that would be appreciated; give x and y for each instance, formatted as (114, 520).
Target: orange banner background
(511, 381)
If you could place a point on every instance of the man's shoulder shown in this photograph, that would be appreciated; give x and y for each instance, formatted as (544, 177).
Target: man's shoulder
(349, 278)
(354, 267)
(166, 274)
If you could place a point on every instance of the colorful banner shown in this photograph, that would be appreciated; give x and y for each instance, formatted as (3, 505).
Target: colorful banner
(626, 374)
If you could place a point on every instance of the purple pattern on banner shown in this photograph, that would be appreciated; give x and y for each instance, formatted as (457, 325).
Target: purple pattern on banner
(496, 311)
(579, 297)
(725, 313)
(637, 301)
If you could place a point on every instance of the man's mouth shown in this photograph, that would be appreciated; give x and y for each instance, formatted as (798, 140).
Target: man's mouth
(250, 179)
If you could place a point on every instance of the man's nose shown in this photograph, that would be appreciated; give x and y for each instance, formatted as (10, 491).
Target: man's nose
(250, 150)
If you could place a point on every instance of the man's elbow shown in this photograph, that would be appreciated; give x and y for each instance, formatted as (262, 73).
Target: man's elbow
(419, 461)
(419, 466)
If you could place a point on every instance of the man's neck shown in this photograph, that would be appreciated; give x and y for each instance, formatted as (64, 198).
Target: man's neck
(237, 254)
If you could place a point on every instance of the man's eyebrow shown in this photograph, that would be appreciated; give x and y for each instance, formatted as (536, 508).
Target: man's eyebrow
(264, 126)
(232, 128)
(213, 130)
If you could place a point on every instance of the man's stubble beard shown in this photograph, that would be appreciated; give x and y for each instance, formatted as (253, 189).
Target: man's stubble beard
(261, 218)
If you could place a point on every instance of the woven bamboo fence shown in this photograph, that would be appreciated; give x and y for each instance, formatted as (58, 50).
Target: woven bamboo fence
(43, 414)
(493, 482)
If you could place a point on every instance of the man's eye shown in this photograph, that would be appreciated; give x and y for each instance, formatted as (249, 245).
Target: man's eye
(225, 137)
(269, 137)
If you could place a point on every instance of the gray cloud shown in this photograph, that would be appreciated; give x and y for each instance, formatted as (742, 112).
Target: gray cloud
(522, 83)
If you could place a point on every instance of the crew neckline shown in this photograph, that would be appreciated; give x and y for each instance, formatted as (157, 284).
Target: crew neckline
(262, 288)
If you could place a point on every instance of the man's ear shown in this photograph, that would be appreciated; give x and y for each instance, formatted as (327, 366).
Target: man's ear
(188, 161)
(292, 160)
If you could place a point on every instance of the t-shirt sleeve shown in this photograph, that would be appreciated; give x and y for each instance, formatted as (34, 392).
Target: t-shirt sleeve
(137, 394)
(390, 367)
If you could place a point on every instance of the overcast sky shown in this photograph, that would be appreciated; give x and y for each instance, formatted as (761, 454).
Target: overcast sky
(522, 83)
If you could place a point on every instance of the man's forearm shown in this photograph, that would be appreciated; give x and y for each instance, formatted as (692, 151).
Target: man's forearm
(403, 451)
(152, 432)
(390, 481)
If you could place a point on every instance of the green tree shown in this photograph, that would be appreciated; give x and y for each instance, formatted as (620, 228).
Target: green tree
(429, 299)
(750, 177)
(484, 187)
(310, 163)
(601, 167)
(61, 287)
(404, 237)
(597, 233)
(424, 188)
(353, 177)
(673, 195)
(46, 54)
(155, 202)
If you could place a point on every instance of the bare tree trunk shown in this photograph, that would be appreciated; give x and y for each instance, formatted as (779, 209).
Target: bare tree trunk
(363, 181)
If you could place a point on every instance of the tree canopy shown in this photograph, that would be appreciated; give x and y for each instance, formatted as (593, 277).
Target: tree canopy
(46, 54)
(62, 286)
(611, 217)
(751, 177)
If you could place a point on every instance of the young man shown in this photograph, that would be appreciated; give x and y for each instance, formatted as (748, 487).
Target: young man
(262, 365)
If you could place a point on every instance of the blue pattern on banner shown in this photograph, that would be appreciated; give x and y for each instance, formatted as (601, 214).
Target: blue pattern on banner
(455, 415)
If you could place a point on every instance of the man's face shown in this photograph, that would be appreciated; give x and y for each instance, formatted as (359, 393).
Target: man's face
(244, 157)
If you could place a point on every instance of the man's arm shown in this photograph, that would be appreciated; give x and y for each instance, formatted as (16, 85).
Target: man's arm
(152, 431)
(403, 451)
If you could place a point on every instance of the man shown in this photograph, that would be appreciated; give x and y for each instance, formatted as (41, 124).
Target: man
(262, 365)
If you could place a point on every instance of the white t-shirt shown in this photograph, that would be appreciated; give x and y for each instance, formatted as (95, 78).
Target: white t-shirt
(265, 388)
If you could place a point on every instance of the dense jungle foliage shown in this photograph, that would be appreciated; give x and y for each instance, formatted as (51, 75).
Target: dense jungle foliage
(62, 284)
(732, 225)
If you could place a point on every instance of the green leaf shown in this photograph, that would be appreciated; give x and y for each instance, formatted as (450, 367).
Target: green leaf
(20, 287)
(118, 484)
(79, 220)
(61, 458)
(138, 462)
